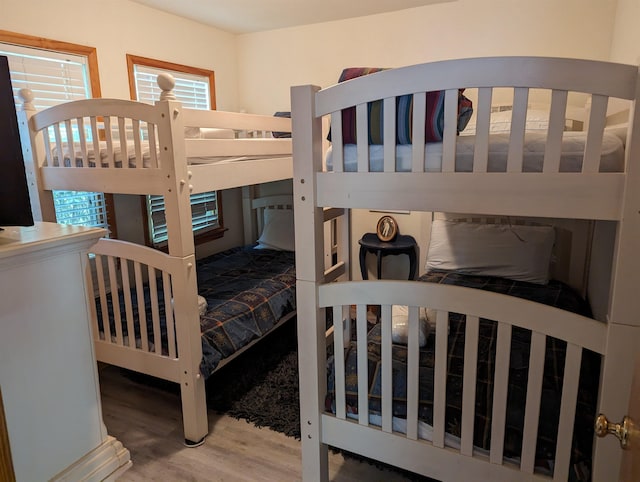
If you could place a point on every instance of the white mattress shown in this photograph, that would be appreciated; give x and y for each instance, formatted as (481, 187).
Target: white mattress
(573, 144)
(131, 155)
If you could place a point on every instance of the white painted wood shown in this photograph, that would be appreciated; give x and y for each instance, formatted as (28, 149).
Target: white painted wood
(440, 377)
(389, 134)
(472, 326)
(567, 412)
(500, 390)
(363, 365)
(418, 132)
(561, 195)
(450, 130)
(387, 369)
(518, 122)
(589, 195)
(553, 147)
(532, 406)
(338, 350)
(54, 419)
(362, 137)
(413, 361)
(483, 115)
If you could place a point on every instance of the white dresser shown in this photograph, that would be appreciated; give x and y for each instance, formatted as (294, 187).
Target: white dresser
(48, 371)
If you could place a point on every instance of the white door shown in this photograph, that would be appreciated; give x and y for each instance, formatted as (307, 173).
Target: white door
(627, 431)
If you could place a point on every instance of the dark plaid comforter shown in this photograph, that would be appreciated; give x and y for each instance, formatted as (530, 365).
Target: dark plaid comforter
(554, 294)
(247, 291)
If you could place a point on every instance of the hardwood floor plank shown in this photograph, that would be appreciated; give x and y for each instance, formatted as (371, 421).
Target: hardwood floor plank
(148, 422)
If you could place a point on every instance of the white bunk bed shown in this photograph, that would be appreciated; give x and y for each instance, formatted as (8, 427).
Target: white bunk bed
(497, 182)
(150, 149)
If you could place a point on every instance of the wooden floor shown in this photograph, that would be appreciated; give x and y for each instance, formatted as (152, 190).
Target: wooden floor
(148, 422)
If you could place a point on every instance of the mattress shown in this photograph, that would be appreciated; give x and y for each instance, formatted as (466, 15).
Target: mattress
(554, 294)
(573, 144)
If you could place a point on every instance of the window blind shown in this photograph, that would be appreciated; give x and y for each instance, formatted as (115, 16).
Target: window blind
(54, 78)
(193, 91)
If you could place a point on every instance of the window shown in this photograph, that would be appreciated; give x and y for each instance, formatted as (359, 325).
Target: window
(59, 72)
(195, 89)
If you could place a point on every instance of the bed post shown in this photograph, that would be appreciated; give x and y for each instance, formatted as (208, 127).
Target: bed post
(42, 205)
(623, 338)
(177, 197)
(307, 142)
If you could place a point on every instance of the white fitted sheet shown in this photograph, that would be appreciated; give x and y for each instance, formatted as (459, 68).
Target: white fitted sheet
(573, 144)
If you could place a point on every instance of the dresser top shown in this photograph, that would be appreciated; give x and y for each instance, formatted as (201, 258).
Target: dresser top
(15, 241)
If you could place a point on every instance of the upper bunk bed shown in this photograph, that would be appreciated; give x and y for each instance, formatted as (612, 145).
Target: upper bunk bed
(395, 148)
(152, 149)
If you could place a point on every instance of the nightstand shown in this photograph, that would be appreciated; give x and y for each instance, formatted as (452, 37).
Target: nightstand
(402, 244)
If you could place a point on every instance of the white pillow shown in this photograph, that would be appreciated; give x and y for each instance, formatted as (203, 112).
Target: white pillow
(400, 325)
(278, 232)
(520, 253)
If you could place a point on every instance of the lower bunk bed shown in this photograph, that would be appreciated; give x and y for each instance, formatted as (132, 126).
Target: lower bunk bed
(555, 294)
(244, 294)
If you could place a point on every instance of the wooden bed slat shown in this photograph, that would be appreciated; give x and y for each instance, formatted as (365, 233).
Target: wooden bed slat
(472, 327)
(553, 148)
(362, 133)
(339, 366)
(440, 378)
(142, 310)
(169, 319)
(83, 141)
(336, 141)
(108, 137)
(363, 364)
(567, 412)
(128, 306)
(417, 134)
(518, 124)
(450, 130)
(115, 299)
(593, 147)
(155, 315)
(532, 407)
(500, 389)
(95, 136)
(483, 117)
(389, 134)
(413, 362)
(102, 293)
(137, 143)
(387, 369)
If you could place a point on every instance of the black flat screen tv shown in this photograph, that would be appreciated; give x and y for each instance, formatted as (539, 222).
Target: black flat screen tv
(15, 207)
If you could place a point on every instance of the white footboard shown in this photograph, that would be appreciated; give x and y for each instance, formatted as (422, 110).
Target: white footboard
(145, 319)
(410, 443)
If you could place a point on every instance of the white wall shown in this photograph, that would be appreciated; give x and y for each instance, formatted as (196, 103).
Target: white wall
(270, 62)
(625, 46)
(119, 27)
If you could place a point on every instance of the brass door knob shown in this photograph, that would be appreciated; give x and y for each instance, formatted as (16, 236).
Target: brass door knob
(621, 430)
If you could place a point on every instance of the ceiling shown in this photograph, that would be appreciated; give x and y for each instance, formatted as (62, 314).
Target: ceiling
(246, 16)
